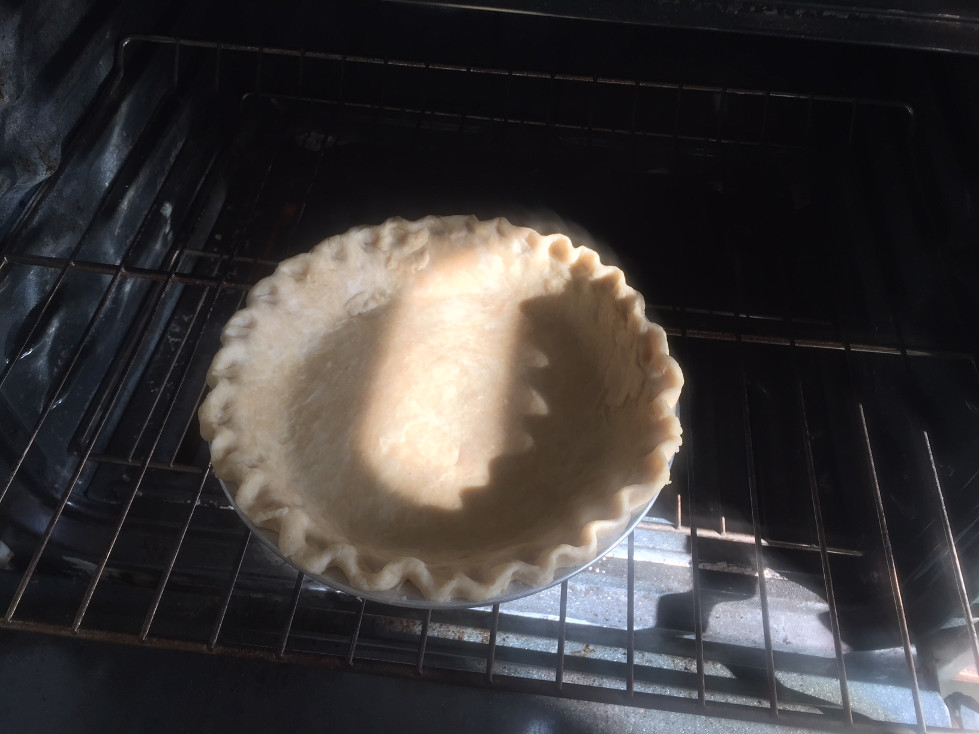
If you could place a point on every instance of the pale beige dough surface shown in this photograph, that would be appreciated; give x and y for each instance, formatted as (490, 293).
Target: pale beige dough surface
(455, 403)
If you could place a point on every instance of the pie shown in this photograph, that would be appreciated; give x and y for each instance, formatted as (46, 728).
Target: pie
(451, 403)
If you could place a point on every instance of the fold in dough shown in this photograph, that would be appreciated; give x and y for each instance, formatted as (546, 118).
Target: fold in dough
(453, 403)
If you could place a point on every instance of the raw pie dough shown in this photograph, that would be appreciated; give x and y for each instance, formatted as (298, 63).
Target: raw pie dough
(455, 403)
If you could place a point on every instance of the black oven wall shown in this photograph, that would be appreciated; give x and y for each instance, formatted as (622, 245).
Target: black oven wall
(54, 56)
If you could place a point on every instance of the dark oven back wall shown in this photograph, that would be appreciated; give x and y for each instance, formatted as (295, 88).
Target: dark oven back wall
(55, 57)
(944, 150)
(537, 42)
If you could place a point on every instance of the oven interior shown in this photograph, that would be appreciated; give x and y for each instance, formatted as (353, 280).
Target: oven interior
(803, 229)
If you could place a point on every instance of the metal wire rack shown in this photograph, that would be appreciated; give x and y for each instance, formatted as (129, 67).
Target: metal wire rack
(747, 594)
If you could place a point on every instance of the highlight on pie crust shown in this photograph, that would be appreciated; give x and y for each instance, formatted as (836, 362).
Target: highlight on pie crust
(451, 403)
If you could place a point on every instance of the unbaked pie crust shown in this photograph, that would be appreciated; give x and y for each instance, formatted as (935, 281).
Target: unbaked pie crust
(455, 403)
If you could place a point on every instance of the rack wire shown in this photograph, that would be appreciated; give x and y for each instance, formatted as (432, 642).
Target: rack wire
(136, 543)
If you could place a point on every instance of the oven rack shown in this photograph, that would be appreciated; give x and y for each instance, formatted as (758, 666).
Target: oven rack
(135, 455)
